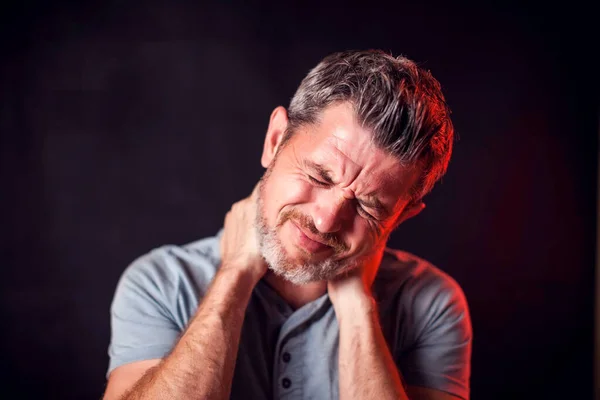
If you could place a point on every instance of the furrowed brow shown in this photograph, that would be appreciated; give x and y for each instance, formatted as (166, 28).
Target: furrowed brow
(320, 170)
(374, 204)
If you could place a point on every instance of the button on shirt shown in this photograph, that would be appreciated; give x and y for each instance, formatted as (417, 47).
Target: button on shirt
(293, 354)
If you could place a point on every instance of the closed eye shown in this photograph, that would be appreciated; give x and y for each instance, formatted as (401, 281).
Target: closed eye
(316, 181)
(364, 212)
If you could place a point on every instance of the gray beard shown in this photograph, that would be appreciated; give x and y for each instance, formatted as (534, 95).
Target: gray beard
(275, 255)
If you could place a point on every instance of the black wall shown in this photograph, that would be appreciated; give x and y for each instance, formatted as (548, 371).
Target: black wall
(127, 126)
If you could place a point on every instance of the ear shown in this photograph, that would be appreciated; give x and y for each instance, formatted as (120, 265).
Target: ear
(277, 126)
(411, 210)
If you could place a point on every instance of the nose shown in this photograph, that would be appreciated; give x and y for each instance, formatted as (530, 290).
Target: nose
(330, 212)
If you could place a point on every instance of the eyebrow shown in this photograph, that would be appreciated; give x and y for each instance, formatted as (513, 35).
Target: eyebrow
(323, 173)
(370, 202)
(374, 203)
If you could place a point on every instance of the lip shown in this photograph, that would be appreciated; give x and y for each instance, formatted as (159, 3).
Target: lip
(309, 241)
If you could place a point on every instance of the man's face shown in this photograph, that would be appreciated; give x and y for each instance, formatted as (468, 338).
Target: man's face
(329, 199)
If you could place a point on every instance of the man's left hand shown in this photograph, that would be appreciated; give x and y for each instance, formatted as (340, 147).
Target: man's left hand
(353, 289)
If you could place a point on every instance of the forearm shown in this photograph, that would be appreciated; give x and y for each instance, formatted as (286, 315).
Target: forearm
(366, 367)
(201, 364)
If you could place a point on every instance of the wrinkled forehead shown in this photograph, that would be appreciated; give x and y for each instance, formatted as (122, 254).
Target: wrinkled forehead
(339, 143)
(338, 132)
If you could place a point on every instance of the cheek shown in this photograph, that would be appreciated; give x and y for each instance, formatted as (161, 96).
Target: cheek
(284, 190)
(364, 235)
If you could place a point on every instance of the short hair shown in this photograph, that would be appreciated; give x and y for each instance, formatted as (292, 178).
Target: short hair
(399, 102)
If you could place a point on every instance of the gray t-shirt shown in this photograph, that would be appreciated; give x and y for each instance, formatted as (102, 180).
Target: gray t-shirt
(287, 354)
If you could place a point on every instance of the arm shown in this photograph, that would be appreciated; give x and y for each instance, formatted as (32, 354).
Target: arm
(366, 366)
(202, 363)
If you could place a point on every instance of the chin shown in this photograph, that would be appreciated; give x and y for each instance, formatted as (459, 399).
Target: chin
(301, 272)
(286, 258)
(296, 277)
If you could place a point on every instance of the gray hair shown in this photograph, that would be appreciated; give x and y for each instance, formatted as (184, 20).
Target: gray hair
(398, 101)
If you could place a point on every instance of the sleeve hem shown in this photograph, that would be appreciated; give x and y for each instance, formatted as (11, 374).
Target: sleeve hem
(133, 355)
(440, 383)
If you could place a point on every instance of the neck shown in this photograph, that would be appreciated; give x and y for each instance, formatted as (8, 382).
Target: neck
(295, 295)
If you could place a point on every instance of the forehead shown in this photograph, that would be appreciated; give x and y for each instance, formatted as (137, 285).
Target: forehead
(339, 143)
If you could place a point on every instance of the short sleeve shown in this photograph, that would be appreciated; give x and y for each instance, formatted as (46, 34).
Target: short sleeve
(143, 325)
(440, 357)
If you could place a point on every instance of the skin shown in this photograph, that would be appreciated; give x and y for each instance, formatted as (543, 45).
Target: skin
(300, 204)
(334, 176)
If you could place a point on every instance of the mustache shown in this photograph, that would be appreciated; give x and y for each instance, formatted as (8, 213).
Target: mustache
(306, 222)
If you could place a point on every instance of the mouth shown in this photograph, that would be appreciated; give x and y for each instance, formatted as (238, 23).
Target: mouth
(308, 240)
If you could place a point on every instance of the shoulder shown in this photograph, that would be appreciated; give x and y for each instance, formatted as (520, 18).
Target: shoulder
(428, 323)
(168, 276)
(419, 290)
(406, 271)
(169, 264)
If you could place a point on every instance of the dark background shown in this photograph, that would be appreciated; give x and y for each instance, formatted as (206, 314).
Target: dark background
(125, 126)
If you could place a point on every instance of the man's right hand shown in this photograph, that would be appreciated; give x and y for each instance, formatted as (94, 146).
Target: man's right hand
(212, 337)
(239, 242)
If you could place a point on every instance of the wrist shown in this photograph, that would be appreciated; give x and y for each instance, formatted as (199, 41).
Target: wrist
(243, 276)
(354, 309)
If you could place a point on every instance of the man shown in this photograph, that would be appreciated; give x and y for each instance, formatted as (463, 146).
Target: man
(297, 297)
